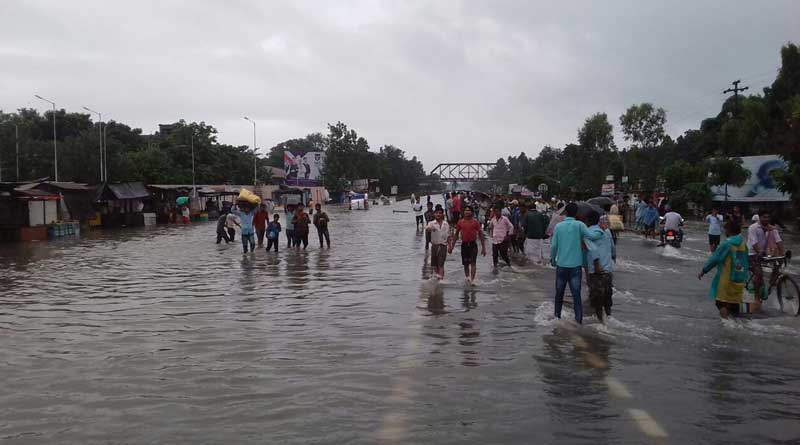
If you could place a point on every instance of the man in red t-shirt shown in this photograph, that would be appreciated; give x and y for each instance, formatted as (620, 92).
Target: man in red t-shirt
(470, 231)
(455, 207)
(260, 223)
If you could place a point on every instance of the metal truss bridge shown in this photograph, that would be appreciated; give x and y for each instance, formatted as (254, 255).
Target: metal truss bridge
(469, 171)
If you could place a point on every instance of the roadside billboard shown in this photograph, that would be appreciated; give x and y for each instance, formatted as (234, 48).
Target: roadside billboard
(304, 169)
(760, 187)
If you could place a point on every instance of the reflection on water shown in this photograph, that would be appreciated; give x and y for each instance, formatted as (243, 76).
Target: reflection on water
(160, 335)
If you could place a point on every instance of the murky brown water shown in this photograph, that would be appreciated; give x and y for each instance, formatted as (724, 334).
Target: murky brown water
(159, 335)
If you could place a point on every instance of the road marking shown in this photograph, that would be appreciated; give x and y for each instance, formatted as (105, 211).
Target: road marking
(394, 425)
(646, 423)
(595, 361)
(617, 389)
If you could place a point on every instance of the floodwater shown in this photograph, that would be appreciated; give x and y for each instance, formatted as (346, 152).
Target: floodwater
(160, 335)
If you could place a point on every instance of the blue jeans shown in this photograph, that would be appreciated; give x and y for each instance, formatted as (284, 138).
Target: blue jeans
(571, 275)
(248, 239)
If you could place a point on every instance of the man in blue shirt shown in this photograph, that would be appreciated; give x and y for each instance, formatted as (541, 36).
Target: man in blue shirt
(567, 257)
(246, 215)
(600, 258)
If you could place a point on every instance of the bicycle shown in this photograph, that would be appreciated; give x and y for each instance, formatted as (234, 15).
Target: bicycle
(788, 292)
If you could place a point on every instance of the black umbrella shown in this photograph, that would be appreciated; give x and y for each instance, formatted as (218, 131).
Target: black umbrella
(601, 201)
(585, 207)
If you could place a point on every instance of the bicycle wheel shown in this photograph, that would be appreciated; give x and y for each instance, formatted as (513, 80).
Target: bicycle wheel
(789, 295)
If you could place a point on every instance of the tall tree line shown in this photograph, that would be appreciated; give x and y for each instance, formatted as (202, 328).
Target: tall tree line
(766, 123)
(166, 158)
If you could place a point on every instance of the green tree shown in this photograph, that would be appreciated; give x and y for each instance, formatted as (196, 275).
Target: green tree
(643, 125)
(597, 134)
(727, 171)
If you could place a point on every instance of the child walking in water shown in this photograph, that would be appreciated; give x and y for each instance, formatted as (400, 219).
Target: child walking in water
(273, 233)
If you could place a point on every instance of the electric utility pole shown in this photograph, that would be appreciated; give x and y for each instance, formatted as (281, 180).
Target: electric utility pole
(735, 90)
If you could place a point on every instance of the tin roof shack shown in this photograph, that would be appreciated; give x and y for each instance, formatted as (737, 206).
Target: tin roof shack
(165, 201)
(24, 214)
(76, 200)
(123, 204)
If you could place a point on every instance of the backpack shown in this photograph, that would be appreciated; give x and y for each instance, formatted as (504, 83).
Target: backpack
(739, 264)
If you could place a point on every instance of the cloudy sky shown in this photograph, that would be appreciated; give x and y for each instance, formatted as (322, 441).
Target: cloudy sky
(444, 80)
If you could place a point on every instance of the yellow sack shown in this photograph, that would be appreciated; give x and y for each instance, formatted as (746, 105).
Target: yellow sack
(615, 222)
(247, 195)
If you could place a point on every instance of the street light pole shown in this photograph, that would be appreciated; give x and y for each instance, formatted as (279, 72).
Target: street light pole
(100, 134)
(55, 146)
(255, 156)
(16, 140)
(194, 185)
(105, 153)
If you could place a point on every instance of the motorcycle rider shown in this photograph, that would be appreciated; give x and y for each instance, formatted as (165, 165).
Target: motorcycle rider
(672, 221)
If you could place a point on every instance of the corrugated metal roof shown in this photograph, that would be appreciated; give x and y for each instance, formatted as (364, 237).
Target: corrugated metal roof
(129, 190)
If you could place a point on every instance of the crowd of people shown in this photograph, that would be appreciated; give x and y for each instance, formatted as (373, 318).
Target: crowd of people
(585, 244)
(254, 223)
(577, 243)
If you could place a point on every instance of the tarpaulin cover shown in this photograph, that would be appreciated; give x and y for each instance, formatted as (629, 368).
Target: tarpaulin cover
(129, 190)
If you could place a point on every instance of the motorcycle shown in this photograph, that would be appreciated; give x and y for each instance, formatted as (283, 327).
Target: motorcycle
(672, 237)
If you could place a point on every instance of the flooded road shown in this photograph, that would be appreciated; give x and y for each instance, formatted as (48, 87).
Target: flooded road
(160, 335)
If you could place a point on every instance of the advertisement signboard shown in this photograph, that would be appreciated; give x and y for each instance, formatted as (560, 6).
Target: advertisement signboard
(304, 169)
(760, 187)
(607, 190)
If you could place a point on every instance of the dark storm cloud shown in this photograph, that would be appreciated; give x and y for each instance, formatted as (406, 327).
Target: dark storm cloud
(442, 80)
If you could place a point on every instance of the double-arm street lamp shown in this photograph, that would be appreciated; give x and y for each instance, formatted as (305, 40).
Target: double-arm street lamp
(55, 147)
(255, 157)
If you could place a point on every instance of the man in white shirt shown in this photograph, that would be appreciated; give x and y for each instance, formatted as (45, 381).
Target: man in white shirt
(672, 221)
(714, 221)
(440, 235)
(231, 223)
(417, 207)
(763, 239)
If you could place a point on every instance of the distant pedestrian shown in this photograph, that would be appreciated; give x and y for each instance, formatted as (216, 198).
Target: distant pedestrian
(222, 234)
(557, 217)
(301, 221)
(440, 237)
(321, 221)
(289, 210)
(736, 216)
(260, 223)
(639, 209)
(501, 230)
(514, 218)
(417, 208)
(185, 214)
(231, 223)
(455, 208)
(429, 216)
(714, 221)
(567, 257)
(534, 226)
(273, 233)
(470, 231)
(650, 220)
